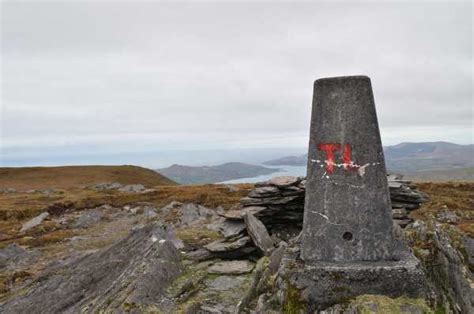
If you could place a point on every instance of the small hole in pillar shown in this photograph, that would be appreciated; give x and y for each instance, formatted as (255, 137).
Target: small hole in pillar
(347, 236)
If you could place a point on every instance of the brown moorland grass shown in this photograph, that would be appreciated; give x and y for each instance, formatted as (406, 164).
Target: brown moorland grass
(16, 208)
(68, 177)
(456, 196)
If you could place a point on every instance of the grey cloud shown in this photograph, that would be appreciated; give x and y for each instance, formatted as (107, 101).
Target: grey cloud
(229, 73)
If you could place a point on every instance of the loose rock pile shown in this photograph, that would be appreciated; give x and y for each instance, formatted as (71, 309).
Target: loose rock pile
(8, 190)
(405, 198)
(244, 238)
(46, 191)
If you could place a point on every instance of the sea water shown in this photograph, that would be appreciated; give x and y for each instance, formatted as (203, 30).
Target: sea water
(296, 171)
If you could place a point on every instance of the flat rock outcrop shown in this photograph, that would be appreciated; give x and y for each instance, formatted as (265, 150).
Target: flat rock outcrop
(447, 268)
(132, 273)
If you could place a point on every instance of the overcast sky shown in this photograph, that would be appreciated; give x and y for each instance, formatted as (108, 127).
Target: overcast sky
(111, 77)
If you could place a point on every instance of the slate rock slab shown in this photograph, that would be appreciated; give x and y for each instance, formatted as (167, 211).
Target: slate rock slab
(135, 270)
(231, 228)
(231, 267)
(199, 255)
(259, 234)
(174, 205)
(238, 214)
(284, 181)
(225, 283)
(264, 191)
(226, 246)
(469, 247)
(88, 218)
(193, 214)
(34, 222)
(14, 255)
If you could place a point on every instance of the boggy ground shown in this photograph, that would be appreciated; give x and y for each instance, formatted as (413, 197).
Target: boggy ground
(84, 220)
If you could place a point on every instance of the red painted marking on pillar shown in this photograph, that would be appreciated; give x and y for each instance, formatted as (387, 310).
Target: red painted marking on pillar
(329, 149)
(347, 158)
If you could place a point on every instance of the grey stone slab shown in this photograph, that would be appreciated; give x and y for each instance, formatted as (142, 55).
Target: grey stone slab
(231, 228)
(225, 246)
(403, 222)
(38, 220)
(347, 208)
(224, 283)
(199, 255)
(13, 256)
(284, 181)
(231, 267)
(275, 200)
(234, 214)
(193, 214)
(259, 234)
(399, 213)
(469, 247)
(88, 218)
(293, 190)
(238, 214)
(264, 191)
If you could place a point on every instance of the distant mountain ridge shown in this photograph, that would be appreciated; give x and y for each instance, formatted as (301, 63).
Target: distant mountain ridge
(410, 157)
(213, 174)
(426, 156)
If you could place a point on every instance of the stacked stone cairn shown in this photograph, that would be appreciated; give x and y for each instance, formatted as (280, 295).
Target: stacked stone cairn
(405, 198)
(275, 207)
(279, 202)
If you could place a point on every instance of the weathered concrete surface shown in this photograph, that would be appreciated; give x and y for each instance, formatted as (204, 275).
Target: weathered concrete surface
(323, 284)
(347, 208)
(348, 245)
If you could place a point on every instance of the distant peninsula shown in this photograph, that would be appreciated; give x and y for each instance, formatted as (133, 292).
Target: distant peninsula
(213, 174)
(288, 161)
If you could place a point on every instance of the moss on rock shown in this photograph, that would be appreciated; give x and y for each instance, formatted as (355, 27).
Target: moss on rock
(293, 302)
(380, 304)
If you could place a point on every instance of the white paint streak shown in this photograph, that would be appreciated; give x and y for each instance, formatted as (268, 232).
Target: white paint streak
(326, 218)
(322, 215)
(361, 170)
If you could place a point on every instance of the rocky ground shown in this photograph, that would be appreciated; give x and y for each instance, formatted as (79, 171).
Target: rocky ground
(208, 249)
